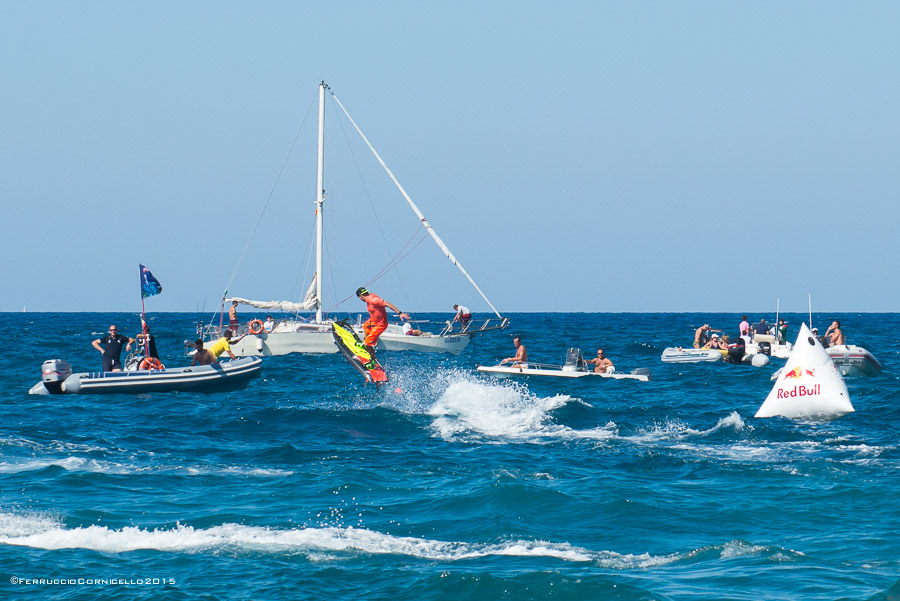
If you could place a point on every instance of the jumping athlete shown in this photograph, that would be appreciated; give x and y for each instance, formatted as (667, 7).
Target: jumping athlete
(378, 321)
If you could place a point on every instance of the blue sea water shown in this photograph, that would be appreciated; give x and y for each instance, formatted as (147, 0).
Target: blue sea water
(312, 485)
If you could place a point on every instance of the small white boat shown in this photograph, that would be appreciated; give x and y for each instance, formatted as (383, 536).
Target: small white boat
(767, 344)
(809, 386)
(852, 360)
(690, 355)
(57, 378)
(575, 367)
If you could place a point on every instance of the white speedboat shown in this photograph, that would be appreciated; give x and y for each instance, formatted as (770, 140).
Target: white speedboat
(767, 344)
(296, 335)
(57, 378)
(575, 367)
(852, 360)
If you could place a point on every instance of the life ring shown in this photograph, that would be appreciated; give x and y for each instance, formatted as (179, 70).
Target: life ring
(256, 326)
(151, 363)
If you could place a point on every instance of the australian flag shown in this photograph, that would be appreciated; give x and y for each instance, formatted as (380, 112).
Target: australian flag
(149, 284)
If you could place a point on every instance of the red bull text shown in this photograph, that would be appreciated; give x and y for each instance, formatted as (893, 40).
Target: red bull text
(814, 390)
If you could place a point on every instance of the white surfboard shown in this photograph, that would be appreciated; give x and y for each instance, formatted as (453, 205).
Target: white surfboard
(809, 385)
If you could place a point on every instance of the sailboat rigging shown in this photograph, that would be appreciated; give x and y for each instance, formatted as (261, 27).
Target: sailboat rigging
(315, 335)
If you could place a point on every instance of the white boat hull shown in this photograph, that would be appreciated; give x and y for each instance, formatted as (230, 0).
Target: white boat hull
(692, 355)
(854, 361)
(560, 372)
(228, 375)
(317, 338)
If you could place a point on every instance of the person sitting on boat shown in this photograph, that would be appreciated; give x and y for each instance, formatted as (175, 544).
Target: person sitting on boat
(463, 316)
(736, 350)
(602, 365)
(223, 345)
(701, 336)
(410, 331)
(112, 348)
(762, 327)
(834, 334)
(744, 326)
(269, 324)
(378, 319)
(715, 343)
(203, 356)
(521, 358)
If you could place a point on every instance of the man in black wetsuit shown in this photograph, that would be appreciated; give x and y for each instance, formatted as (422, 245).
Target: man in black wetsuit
(112, 351)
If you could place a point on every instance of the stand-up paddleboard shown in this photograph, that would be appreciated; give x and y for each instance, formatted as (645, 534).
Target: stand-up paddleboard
(809, 385)
(356, 353)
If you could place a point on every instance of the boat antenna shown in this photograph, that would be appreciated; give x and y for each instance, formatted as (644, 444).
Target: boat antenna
(416, 210)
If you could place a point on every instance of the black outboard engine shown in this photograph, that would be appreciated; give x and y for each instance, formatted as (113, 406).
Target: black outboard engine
(764, 348)
(53, 373)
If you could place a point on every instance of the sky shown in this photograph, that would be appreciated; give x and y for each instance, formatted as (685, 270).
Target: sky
(575, 156)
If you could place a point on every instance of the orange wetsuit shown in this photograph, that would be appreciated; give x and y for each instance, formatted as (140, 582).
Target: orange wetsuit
(377, 322)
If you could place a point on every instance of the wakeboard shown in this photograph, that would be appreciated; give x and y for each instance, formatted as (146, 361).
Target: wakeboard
(356, 353)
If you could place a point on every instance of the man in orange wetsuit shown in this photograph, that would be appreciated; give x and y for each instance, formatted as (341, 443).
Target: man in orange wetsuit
(378, 321)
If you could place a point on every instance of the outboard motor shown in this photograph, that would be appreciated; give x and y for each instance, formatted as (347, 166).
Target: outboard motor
(53, 373)
(764, 348)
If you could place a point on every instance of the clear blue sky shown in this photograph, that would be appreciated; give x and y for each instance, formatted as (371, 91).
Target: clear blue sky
(576, 156)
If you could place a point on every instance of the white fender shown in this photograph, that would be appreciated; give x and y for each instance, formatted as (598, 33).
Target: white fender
(809, 386)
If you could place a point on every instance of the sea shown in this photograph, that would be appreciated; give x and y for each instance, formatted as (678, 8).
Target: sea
(447, 483)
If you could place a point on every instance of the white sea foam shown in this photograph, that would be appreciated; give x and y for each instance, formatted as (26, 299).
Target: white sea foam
(81, 464)
(503, 412)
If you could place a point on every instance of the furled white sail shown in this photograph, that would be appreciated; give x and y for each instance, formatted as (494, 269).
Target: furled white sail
(809, 386)
(310, 302)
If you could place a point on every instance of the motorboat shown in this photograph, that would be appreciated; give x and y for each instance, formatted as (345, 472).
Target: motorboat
(575, 367)
(768, 344)
(57, 378)
(690, 355)
(853, 361)
(314, 334)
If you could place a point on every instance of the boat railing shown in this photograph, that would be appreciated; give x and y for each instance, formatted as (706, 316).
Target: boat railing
(470, 328)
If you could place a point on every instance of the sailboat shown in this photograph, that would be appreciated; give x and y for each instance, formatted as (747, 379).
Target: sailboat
(314, 335)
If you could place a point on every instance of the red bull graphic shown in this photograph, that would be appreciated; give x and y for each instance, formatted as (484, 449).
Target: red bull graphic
(798, 391)
(799, 371)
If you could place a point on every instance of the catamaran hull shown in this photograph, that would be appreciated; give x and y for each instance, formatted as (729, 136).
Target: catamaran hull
(225, 376)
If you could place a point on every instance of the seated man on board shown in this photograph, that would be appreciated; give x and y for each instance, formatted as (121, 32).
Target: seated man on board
(602, 365)
(202, 356)
(521, 358)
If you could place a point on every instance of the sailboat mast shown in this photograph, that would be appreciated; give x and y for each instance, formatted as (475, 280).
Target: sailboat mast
(320, 199)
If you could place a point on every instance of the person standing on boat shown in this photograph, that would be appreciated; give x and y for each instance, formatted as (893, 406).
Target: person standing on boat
(112, 349)
(202, 356)
(701, 336)
(463, 316)
(782, 330)
(223, 345)
(147, 343)
(602, 365)
(378, 319)
(233, 318)
(521, 358)
(834, 334)
(762, 327)
(744, 326)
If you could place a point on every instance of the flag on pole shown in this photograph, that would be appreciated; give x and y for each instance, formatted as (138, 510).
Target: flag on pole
(150, 286)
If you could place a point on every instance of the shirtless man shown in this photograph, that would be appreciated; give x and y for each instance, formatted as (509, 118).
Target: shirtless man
(701, 336)
(521, 358)
(836, 336)
(202, 356)
(602, 365)
(233, 318)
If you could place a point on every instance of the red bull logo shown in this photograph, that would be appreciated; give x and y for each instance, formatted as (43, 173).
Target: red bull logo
(798, 391)
(799, 371)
